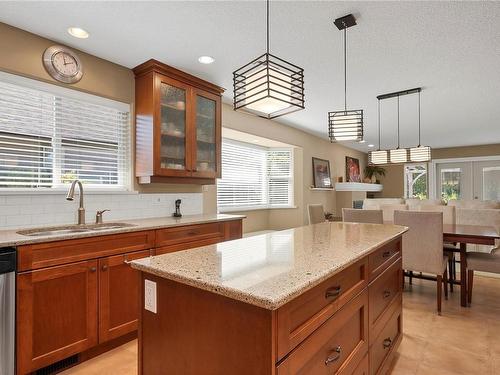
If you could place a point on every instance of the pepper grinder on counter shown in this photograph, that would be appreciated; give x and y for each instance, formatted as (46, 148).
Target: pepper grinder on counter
(177, 212)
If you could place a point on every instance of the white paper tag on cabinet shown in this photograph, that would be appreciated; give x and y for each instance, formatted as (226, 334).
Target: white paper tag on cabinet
(150, 295)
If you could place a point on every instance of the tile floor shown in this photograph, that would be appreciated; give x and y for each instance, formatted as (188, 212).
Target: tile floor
(462, 341)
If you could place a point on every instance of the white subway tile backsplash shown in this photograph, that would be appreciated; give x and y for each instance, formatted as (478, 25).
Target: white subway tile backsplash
(37, 209)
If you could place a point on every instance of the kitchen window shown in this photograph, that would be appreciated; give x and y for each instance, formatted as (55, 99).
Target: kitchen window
(415, 181)
(254, 177)
(50, 136)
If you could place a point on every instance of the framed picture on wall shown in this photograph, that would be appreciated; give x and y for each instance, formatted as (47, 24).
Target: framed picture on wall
(321, 173)
(352, 172)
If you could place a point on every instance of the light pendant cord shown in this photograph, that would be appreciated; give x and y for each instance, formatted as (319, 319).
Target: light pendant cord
(268, 26)
(345, 68)
(398, 121)
(379, 124)
(419, 143)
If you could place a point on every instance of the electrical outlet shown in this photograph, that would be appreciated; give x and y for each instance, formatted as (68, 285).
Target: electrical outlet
(150, 295)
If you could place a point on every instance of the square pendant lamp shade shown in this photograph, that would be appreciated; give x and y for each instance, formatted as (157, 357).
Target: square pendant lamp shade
(398, 155)
(378, 157)
(420, 154)
(345, 125)
(269, 87)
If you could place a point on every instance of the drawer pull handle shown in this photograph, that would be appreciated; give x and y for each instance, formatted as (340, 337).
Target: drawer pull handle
(104, 267)
(333, 292)
(386, 254)
(335, 357)
(387, 343)
(93, 269)
(387, 293)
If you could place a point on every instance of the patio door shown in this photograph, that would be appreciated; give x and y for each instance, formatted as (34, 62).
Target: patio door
(487, 180)
(468, 180)
(454, 180)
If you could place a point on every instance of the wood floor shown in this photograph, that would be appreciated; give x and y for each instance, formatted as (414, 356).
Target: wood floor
(461, 341)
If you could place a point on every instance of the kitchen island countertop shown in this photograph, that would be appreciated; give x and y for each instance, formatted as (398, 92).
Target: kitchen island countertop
(271, 269)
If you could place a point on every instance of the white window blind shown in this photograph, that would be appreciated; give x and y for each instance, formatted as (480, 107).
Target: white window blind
(48, 139)
(254, 177)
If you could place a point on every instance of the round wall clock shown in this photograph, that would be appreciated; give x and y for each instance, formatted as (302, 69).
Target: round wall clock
(63, 64)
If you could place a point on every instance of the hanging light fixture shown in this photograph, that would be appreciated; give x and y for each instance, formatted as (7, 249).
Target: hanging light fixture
(420, 153)
(346, 125)
(400, 155)
(268, 86)
(380, 156)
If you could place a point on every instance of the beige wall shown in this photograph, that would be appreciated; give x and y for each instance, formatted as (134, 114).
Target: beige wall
(307, 146)
(22, 55)
(393, 181)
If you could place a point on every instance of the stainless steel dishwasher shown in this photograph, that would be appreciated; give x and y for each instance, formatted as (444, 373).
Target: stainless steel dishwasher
(7, 310)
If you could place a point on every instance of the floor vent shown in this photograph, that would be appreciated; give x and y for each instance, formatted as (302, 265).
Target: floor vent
(58, 366)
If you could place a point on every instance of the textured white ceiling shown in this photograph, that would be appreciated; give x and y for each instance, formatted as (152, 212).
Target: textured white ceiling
(451, 49)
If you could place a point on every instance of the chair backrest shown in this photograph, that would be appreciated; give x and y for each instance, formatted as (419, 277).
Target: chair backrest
(316, 213)
(414, 203)
(388, 210)
(474, 203)
(449, 214)
(362, 216)
(478, 216)
(423, 243)
(375, 203)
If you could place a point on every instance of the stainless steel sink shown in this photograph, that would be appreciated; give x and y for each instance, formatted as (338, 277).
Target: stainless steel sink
(70, 229)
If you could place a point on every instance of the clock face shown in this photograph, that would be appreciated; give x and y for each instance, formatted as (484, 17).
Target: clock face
(62, 64)
(65, 64)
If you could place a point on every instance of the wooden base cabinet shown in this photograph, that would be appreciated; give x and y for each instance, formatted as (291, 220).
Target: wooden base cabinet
(73, 307)
(56, 314)
(338, 327)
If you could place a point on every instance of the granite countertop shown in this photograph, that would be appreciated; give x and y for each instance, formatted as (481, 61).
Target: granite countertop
(271, 269)
(12, 238)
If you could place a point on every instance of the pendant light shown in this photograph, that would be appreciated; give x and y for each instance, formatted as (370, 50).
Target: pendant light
(268, 86)
(346, 125)
(380, 156)
(420, 153)
(400, 155)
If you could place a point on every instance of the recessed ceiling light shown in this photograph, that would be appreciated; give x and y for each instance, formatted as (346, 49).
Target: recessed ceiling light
(206, 59)
(78, 32)
(370, 145)
(362, 141)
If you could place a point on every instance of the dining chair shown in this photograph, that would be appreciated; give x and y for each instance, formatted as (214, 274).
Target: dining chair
(449, 217)
(483, 262)
(489, 217)
(352, 215)
(316, 213)
(388, 210)
(423, 246)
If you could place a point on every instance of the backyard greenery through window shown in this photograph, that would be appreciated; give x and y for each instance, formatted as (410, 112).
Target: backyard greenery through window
(48, 139)
(416, 181)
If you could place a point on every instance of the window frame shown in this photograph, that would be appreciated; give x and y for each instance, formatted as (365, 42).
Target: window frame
(406, 165)
(267, 206)
(125, 180)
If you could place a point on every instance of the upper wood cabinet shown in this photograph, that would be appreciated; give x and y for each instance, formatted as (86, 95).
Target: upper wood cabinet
(178, 126)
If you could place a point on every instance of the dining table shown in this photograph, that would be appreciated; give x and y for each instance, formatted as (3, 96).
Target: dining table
(462, 235)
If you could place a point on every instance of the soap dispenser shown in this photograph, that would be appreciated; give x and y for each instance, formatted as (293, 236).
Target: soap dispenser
(177, 212)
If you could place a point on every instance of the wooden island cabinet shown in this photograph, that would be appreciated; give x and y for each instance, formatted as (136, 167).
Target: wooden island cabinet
(77, 298)
(259, 314)
(178, 126)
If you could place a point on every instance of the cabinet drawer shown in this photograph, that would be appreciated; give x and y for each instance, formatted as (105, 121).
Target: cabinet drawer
(191, 233)
(363, 368)
(383, 344)
(187, 245)
(61, 252)
(337, 347)
(300, 317)
(380, 259)
(384, 290)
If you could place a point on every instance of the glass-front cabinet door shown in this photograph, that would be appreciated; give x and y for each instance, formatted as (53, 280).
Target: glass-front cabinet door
(207, 133)
(173, 140)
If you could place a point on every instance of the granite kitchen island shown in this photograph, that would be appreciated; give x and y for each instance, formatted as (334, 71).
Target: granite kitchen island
(319, 299)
